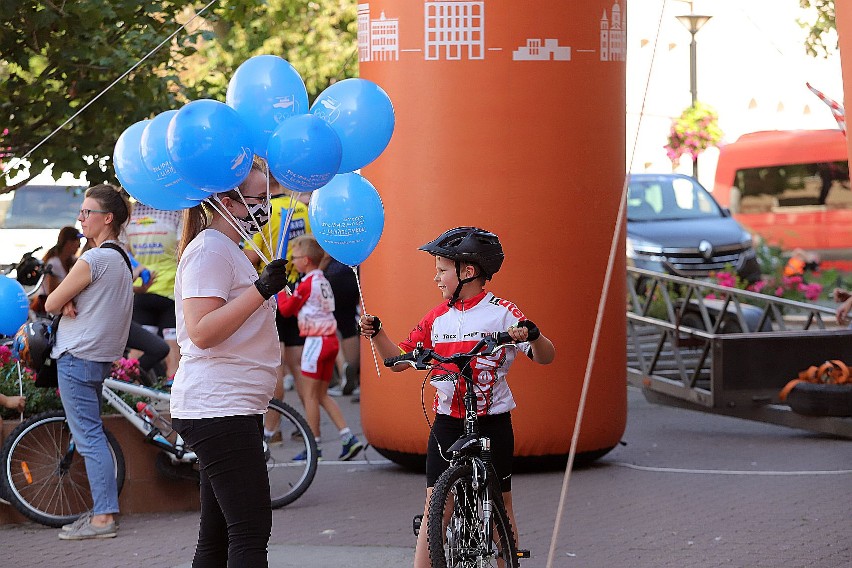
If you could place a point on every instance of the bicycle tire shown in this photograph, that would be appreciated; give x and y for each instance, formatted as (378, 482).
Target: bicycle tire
(288, 478)
(45, 482)
(459, 543)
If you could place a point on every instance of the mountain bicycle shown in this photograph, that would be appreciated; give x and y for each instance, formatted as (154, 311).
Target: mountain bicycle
(468, 525)
(45, 478)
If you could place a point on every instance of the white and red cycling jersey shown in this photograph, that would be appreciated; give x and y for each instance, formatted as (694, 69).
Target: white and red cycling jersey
(313, 301)
(456, 330)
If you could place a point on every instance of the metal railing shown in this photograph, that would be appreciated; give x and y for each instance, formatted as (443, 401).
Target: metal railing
(682, 335)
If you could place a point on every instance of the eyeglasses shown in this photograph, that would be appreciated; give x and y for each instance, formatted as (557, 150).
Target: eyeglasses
(84, 213)
(259, 198)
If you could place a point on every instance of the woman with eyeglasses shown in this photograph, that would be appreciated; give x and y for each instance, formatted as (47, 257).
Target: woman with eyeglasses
(96, 302)
(227, 370)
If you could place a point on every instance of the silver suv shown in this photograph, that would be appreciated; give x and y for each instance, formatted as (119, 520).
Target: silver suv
(675, 226)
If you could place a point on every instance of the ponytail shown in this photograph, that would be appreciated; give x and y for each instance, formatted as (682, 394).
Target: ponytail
(195, 220)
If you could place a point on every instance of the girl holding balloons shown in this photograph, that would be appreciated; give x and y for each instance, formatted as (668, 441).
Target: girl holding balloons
(227, 371)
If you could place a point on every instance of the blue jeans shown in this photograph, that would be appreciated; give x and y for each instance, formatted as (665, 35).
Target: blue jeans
(80, 384)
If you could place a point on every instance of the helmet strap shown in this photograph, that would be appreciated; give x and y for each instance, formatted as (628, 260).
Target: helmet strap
(462, 282)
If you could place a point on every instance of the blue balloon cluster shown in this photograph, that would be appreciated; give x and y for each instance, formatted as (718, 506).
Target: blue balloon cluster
(181, 157)
(14, 307)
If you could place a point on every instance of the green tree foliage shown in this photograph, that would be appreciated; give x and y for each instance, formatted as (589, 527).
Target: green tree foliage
(818, 28)
(318, 38)
(55, 57)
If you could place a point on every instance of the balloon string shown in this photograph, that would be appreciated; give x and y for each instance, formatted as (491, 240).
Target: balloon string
(364, 311)
(20, 384)
(246, 236)
(220, 208)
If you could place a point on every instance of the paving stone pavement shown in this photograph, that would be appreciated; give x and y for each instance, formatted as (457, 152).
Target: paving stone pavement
(686, 490)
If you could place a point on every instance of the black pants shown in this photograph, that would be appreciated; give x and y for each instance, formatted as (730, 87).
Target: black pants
(236, 514)
(154, 348)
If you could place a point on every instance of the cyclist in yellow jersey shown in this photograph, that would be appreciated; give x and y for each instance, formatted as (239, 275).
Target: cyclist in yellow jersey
(152, 236)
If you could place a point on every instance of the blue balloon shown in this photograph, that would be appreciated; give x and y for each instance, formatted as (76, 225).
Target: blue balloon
(266, 90)
(210, 145)
(14, 306)
(156, 158)
(135, 177)
(362, 115)
(347, 218)
(304, 153)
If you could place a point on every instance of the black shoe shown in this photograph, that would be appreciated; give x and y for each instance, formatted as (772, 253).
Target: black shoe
(416, 522)
(350, 378)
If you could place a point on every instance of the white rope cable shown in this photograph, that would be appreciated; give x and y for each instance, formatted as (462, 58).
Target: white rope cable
(599, 318)
(364, 311)
(114, 83)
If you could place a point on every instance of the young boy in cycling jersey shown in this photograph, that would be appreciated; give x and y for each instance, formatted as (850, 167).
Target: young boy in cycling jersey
(465, 258)
(313, 301)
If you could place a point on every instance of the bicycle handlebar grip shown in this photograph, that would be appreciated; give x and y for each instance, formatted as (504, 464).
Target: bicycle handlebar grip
(503, 338)
(391, 361)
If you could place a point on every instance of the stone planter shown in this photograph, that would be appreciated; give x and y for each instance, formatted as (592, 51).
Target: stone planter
(145, 490)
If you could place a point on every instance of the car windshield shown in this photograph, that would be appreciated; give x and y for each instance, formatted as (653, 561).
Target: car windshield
(43, 207)
(659, 199)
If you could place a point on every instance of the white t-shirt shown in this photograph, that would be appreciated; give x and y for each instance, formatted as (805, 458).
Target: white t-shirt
(57, 270)
(236, 377)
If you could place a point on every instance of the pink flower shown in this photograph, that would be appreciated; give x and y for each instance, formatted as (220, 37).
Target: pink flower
(5, 354)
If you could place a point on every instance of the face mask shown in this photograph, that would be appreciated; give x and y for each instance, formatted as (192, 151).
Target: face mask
(248, 224)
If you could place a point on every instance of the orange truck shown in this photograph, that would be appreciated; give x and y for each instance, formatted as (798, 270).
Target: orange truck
(791, 187)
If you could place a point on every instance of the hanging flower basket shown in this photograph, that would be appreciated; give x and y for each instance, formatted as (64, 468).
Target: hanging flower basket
(694, 131)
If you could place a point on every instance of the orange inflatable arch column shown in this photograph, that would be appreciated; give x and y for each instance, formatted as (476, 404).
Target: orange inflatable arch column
(509, 116)
(843, 20)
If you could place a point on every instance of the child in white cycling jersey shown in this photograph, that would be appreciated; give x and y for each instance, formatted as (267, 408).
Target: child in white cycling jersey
(465, 258)
(313, 301)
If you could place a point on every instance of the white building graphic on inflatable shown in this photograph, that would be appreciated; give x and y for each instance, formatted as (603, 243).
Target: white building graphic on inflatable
(454, 30)
(613, 35)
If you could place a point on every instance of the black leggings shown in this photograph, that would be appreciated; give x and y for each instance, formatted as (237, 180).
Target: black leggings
(236, 514)
(153, 346)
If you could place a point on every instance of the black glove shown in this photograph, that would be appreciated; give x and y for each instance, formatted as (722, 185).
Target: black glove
(273, 279)
(377, 327)
(532, 330)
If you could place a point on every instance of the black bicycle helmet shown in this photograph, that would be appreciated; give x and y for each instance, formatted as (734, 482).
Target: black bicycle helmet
(470, 245)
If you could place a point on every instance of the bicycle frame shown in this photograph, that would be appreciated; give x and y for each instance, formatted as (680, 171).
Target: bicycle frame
(177, 450)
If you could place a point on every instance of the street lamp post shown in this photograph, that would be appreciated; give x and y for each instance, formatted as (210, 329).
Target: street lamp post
(693, 23)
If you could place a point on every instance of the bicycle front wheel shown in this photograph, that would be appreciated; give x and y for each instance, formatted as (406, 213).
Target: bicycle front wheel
(290, 477)
(44, 476)
(457, 531)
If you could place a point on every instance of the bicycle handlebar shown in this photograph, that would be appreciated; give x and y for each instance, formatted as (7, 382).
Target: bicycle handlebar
(420, 357)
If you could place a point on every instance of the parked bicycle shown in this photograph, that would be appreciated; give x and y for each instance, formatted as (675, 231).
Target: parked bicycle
(468, 525)
(45, 479)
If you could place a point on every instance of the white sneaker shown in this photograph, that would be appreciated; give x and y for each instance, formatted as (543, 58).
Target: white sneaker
(289, 382)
